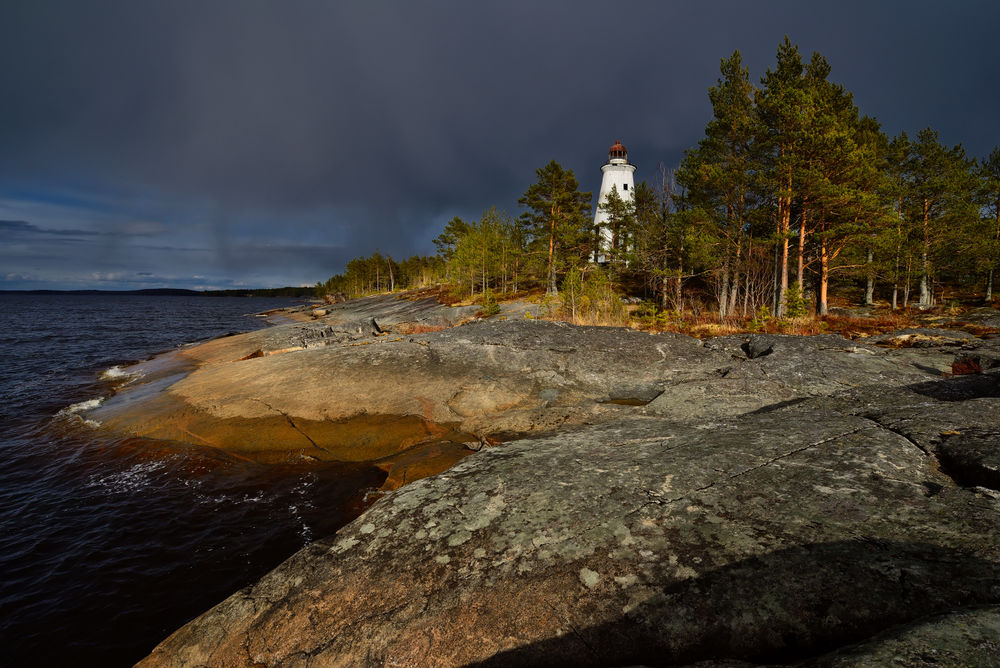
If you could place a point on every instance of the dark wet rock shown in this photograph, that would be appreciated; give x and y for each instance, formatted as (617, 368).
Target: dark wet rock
(962, 388)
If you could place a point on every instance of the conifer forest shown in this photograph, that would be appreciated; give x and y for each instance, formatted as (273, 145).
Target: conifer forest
(792, 198)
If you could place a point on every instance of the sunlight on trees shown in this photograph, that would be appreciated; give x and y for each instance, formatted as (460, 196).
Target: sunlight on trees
(791, 194)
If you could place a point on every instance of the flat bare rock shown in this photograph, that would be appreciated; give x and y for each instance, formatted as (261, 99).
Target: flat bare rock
(659, 499)
(766, 537)
(484, 377)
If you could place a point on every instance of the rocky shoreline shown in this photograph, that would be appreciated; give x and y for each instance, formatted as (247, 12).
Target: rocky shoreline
(656, 499)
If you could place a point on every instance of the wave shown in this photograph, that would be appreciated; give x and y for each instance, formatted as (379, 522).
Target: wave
(87, 405)
(71, 414)
(137, 477)
(116, 373)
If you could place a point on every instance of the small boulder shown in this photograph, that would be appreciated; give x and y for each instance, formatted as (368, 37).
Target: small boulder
(758, 345)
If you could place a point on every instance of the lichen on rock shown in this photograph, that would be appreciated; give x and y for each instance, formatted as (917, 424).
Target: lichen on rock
(656, 500)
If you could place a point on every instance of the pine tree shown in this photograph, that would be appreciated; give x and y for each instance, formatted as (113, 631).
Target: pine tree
(940, 197)
(621, 223)
(990, 253)
(484, 254)
(781, 103)
(893, 241)
(655, 251)
(717, 176)
(841, 176)
(448, 239)
(557, 221)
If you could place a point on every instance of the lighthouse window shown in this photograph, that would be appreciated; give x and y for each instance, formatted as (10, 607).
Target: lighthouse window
(625, 186)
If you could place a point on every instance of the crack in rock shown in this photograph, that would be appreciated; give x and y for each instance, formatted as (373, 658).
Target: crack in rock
(294, 426)
(899, 433)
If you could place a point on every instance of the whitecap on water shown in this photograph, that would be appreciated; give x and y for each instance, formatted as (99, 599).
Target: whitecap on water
(129, 480)
(305, 531)
(120, 375)
(71, 414)
(88, 405)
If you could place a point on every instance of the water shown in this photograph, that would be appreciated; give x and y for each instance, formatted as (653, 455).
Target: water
(108, 544)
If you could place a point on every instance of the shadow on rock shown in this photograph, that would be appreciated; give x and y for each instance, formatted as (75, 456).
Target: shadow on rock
(785, 606)
(972, 457)
(960, 388)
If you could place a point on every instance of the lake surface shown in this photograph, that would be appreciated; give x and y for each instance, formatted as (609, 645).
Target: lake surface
(108, 544)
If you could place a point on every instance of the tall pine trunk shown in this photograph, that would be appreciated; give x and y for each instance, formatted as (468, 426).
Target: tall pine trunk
(551, 288)
(722, 294)
(802, 246)
(785, 226)
(925, 288)
(776, 279)
(870, 281)
(735, 285)
(925, 269)
(989, 276)
(906, 288)
(899, 250)
(734, 291)
(824, 276)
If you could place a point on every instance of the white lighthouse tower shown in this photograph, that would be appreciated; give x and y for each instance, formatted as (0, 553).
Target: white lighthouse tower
(617, 174)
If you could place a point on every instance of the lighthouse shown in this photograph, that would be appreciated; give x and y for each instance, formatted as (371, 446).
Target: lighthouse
(617, 174)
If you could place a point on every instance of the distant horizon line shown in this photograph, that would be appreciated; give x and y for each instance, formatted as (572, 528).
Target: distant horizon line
(152, 291)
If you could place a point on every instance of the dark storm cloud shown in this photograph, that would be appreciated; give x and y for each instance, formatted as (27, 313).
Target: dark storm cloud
(308, 133)
(19, 228)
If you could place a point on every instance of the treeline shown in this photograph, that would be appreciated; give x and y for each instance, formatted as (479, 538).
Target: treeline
(380, 273)
(791, 190)
(496, 253)
(792, 186)
(288, 291)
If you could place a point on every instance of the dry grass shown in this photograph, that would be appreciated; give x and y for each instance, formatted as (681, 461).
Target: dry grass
(416, 328)
(852, 327)
(707, 326)
(973, 328)
(708, 330)
(533, 296)
(445, 294)
(591, 319)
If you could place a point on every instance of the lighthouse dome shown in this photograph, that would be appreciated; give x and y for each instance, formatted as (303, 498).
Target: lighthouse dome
(617, 152)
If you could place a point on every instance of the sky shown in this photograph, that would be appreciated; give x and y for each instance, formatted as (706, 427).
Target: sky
(226, 144)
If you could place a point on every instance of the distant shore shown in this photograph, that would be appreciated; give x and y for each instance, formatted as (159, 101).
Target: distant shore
(301, 293)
